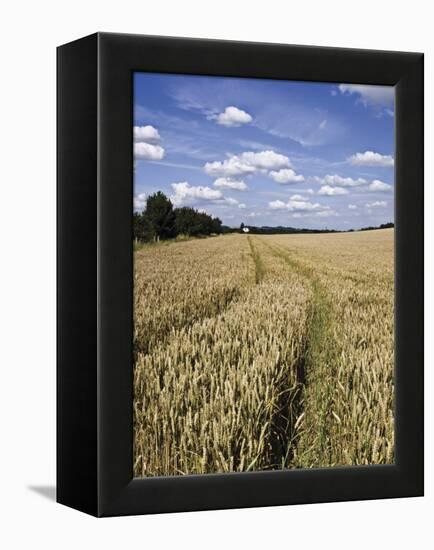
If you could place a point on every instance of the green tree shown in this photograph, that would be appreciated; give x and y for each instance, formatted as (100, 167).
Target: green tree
(217, 226)
(191, 222)
(186, 221)
(159, 211)
(142, 228)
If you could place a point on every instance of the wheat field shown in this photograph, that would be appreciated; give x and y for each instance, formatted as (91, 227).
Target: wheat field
(263, 352)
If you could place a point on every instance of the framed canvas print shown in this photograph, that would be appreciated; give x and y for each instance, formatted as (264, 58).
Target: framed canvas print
(240, 274)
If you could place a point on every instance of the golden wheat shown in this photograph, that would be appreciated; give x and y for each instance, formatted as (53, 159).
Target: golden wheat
(176, 284)
(256, 353)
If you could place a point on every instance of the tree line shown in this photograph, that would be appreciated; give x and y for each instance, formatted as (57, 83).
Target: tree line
(283, 230)
(160, 220)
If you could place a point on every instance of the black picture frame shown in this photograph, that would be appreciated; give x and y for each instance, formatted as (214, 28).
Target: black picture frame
(95, 308)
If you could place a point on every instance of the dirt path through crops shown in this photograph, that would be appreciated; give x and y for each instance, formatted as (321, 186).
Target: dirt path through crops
(314, 372)
(257, 260)
(284, 424)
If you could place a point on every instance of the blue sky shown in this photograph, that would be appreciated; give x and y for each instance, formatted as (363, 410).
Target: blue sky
(266, 152)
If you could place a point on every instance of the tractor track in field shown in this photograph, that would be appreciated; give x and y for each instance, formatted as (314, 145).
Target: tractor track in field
(282, 427)
(319, 358)
(257, 260)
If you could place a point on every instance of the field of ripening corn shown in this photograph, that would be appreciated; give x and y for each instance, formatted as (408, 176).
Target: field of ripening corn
(263, 352)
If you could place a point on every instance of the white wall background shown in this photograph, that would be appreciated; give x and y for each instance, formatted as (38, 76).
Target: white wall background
(30, 31)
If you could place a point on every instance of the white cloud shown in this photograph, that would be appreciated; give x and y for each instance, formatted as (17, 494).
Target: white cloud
(231, 167)
(232, 116)
(297, 198)
(352, 206)
(322, 124)
(334, 179)
(247, 163)
(378, 185)
(296, 205)
(140, 201)
(231, 201)
(185, 193)
(327, 190)
(382, 96)
(146, 133)
(266, 160)
(277, 205)
(370, 158)
(229, 183)
(326, 213)
(286, 175)
(147, 151)
(333, 184)
(376, 204)
(145, 138)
